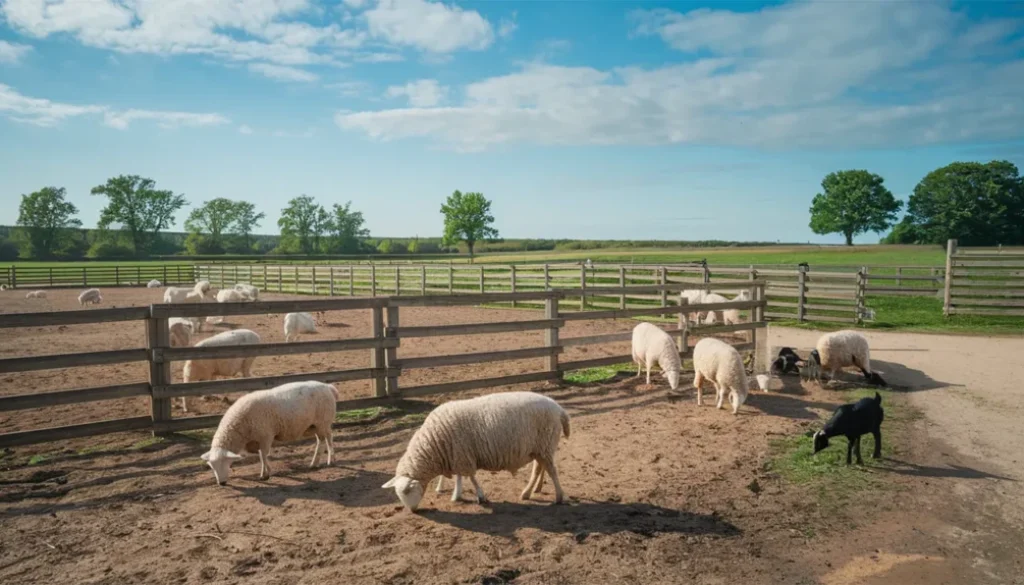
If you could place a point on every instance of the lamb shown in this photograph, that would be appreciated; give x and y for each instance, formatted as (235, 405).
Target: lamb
(91, 296)
(208, 369)
(719, 363)
(256, 421)
(177, 294)
(852, 421)
(181, 331)
(153, 284)
(202, 287)
(496, 432)
(787, 362)
(296, 324)
(250, 291)
(36, 294)
(841, 349)
(651, 344)
(230, 295)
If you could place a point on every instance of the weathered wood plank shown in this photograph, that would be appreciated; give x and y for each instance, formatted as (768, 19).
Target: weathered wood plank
(595, 339)
(43, 319)
(257, 307)
(961, 310)
(476, 358)
(447, 387)
(469, 299)
(262, 383)
(20, 438)
(74, 360)
(264, 349)
(670, 310)
(478, 328)
(74, 396)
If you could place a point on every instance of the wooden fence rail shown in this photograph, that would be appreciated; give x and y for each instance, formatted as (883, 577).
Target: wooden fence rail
(984, 281)
(385, 365)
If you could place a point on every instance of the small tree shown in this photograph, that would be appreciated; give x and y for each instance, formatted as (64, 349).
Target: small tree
(853, 202)
(347, 229)
(384, 247)
(48, 219)
(246, 220)
(213, 219)
(136, 205)
(302, 224)
(467, 217)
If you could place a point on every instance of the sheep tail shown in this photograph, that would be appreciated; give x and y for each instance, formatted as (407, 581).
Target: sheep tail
(565, 424)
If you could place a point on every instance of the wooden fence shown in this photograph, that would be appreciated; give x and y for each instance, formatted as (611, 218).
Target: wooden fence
(384, 368)
(797, 294)
(984, 281)
(87, 275)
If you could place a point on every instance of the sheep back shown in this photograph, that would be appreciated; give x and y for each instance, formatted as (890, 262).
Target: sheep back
(844, 348)
(719, 362)
(497, 432)
(205, 369)
(651, 344)
(284, 413)
(299, 323)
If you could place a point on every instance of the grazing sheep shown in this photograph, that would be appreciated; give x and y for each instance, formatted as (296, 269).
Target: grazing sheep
(719, 363)
(202, 287)
(787, 362)
(230, 295)
(181, 331)
(90, 296)
(717, 316)
(177, 294)
(154, 284)
(694, 297)
(842, 349)
(36, 294)
(651, 344)
(289, 412)
(296, 324)
(208, 369)
(250, 291)
(851, 421)
(496, 432)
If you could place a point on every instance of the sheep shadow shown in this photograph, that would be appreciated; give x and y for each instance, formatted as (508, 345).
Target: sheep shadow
(782, 405)
(898, 377)
(358, 489)
(582, 518)
(951, 471)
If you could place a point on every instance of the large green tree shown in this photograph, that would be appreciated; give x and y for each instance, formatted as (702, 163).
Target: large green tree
(246, 220)
(853, 202)
(347, 229)
(979, 204)
(212, 220)
(48, 219)
(136, 205)
(303, 224)
(467, 218)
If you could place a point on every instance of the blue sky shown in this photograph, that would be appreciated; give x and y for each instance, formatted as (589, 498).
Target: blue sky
(599, 120)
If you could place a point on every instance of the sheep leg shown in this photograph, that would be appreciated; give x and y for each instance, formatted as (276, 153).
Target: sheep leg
(440, 482)
(649, 373)
(457, 492)
(639, 367)
(329, 439)
(480, 497)
(698, 381)
(878, 444)
(247, 367)
(533, 485)
(316, 451)
(734, 400)
(549, 466)
(719, 394)
(184, 406)
(264, 461)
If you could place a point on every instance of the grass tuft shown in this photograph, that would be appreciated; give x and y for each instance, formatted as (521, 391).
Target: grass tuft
(595, 375)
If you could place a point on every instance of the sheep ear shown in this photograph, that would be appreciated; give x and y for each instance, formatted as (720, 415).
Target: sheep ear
(205, 456)
(234, 456)
(390, 483)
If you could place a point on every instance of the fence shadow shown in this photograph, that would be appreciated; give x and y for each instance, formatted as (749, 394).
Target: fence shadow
(899, 377)
(782, 405)
(359, 488)
(950, 471)
(582, 519)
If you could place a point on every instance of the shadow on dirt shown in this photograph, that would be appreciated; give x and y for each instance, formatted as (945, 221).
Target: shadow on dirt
(954, 471)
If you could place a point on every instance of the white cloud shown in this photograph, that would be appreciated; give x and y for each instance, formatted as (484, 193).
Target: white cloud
(12, 53)
(283, 72)
(43, 112)
(430, 26)
(422, 93)
(350, 88)
(244, 129)
(799, 75)
(507, 26)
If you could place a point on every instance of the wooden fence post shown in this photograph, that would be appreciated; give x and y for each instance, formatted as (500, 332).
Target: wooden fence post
(664, 282)
(899, 276)
(85, 277)
(264, 277)
(220, 283)
(117, 276)
(482, 289)
(51, 275)
(622, 284)
(159, 337)
(423, 279)
(551, 334)
(280, 278)
(351, 280)
(236, 273)
(377, 356)
(373, 280)
(947, 294)
(331, 276)
(391, 353)
(753, 296)
(802, 298)
(512, 279)
(547, 278)
(313, 276)
(684, 326)
(583, 287)
(862, 283)
(398, 281)
(760, 334)
(451, 278)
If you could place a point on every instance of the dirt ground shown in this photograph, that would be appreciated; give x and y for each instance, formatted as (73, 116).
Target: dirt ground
(659, 491)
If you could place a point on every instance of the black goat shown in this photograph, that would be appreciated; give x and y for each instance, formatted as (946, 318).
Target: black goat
(852, 421)
(788, 362)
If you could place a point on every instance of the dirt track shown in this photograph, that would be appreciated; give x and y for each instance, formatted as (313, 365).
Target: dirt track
(660, 492)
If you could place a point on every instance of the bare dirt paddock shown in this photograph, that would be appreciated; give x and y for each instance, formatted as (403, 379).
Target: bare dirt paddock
(659, 491)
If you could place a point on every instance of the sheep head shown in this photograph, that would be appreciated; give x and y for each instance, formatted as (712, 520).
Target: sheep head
(820, 441)
(410, 491)
(220, 461)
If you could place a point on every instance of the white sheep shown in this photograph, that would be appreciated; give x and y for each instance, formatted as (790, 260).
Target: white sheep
(208, 369)
(177, 294)
(181, 331)
(496, 432)
(651, 344)
(250, 291)
(694, 297)
(202, 287)
(154, 284)
(230, 295)
(718, 362)
(843, 349)
(296, 324)
(726, 316)
(289, 412)
(3, 287)
(90, 296)
(36, 294)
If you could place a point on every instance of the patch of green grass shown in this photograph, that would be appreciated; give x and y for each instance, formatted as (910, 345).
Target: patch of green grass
(364, 414)
(599, 374)
(147, 442)
(201, 435)
(93, 449)
(414, 418)
(37, 459)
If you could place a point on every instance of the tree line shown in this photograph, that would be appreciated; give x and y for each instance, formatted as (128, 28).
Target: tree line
(137, 214)
(979, 204)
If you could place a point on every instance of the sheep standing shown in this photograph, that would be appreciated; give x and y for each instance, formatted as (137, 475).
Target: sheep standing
(177, 294)
(718, 362)
(694, 297)
(36, 294)
(154, 284)
(256, 421)
(181, 331)
(296, 324)
(843, 349)
(725, 316)
(651, 344)
(230, 295)
(202, 287)
(852, 421)
(208, 369)
(90, 296)
(249, 290)
(496, 432)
